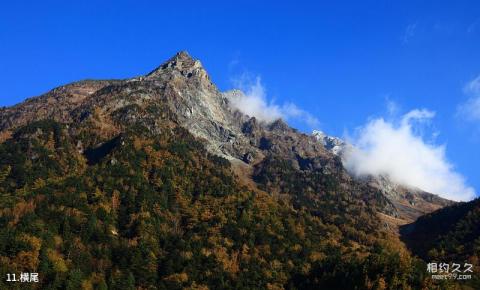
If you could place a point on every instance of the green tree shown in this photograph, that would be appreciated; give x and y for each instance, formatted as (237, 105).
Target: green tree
(74, 280)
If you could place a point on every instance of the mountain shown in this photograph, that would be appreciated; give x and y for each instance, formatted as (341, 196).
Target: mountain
(191, 100)
(157, 182)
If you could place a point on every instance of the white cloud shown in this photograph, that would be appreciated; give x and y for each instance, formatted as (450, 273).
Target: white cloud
(470, 110)
(254, 102)
(396, 150)
(417, 115)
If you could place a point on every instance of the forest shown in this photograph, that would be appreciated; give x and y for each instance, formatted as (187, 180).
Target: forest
(157, 211)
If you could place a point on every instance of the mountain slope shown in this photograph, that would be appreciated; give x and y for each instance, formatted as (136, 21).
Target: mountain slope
(449, 235)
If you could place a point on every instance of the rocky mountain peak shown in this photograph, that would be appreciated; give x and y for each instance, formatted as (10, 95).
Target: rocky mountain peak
(183, 55)
(181, 63)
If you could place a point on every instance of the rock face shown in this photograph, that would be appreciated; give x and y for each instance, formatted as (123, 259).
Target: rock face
(181, 92)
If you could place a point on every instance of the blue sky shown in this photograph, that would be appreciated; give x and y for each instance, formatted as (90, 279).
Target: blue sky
(343, 63)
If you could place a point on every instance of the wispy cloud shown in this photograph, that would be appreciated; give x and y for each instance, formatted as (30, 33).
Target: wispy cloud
(235, 61)
(291, 111)
(398, 149)
(409, 32)
(254, 102)
(473, 27)
(470, 109)
(392, 107)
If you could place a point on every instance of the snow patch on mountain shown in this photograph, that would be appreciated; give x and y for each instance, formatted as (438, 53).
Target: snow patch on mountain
(333, 144)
